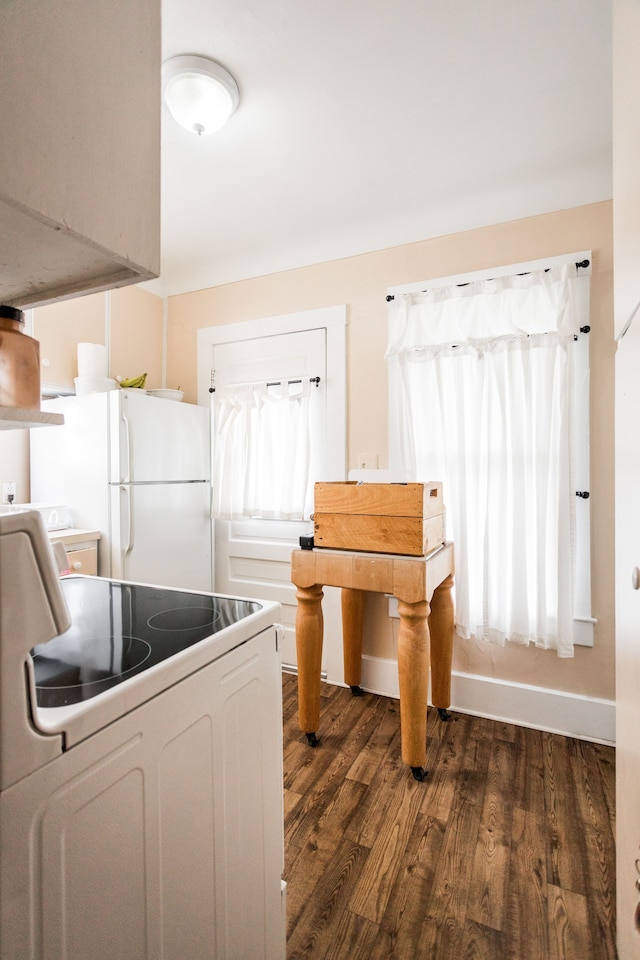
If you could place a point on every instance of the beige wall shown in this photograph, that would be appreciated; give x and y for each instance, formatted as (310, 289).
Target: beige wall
(14, 462)
(129, 319)
(361, 283)
(136, 342)
(59, 328)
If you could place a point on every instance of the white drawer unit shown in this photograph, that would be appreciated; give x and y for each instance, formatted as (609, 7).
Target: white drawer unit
(84, 561)
(81, 547)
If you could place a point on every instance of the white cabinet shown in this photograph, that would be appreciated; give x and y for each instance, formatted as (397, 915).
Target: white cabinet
(162, 834)
(80, 150)
(81, 547)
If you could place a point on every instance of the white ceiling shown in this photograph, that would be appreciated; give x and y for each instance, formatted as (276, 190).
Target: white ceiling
(364, 125)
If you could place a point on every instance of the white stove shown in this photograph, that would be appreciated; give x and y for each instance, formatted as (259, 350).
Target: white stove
(140, 767)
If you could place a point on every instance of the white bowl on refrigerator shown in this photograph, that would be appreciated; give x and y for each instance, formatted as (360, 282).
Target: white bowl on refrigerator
(167, 394)
(94, 385)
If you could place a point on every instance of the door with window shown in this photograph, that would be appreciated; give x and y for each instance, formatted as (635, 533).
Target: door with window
(252, 556)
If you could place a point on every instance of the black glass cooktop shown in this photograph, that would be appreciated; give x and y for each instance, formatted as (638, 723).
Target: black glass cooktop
(121, 629)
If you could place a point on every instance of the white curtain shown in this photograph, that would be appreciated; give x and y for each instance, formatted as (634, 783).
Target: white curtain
(261, 451)
(485, 379)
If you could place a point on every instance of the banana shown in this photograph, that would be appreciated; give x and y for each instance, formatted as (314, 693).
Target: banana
(134, 382)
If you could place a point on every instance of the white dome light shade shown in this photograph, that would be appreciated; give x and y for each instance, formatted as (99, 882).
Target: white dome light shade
(200, 94)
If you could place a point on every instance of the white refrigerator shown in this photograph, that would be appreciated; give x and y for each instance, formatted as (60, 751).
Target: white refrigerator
(136, 468)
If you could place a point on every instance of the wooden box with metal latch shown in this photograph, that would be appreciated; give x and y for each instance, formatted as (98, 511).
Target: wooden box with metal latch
(398, 518)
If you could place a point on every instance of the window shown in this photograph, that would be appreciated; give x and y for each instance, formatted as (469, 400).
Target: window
(487, 394)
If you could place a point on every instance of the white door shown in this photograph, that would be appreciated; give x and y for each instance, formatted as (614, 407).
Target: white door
(626, 239)
(252, 558)
(628, 641)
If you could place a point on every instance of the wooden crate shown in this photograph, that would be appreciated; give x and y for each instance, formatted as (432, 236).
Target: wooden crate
(402, 518)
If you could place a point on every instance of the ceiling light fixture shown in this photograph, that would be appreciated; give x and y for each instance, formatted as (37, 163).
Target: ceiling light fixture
(200, 94)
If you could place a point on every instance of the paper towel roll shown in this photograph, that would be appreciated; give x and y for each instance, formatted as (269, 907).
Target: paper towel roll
(92, 360)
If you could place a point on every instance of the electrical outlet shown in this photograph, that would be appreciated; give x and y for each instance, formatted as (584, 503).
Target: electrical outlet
(368, 461)
(9, 491)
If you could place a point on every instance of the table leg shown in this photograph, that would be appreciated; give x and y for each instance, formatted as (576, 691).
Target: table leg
(441, 627)
(352, 621)
(413, 675)
(309, 631)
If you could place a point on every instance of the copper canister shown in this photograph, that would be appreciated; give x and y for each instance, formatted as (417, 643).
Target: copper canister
(19, 362)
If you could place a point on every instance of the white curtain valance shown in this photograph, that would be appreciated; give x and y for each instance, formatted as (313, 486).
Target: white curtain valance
(483, 311)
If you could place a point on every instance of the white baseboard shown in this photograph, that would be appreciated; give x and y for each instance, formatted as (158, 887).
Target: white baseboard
(540, 708)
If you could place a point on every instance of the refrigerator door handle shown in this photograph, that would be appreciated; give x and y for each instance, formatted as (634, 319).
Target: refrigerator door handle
(125, 451)
(127, 521)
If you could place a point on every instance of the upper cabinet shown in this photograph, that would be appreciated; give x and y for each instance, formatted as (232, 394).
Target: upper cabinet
(80, 147)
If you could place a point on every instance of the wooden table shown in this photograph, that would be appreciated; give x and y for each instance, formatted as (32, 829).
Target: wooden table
(422, 586)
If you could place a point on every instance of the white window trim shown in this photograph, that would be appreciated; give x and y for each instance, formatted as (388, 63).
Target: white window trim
(583, 619)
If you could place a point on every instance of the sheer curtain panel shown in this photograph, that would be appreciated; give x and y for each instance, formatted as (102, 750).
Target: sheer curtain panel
(261, 452)
(484, 373)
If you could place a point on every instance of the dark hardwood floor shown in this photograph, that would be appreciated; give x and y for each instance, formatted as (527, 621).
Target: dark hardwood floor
(505, 851)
